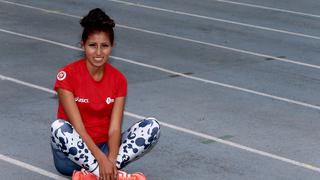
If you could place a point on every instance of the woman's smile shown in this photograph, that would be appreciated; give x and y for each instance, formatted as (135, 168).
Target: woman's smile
(97, 49)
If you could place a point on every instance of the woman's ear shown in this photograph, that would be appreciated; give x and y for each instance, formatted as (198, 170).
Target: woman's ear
(82, 44)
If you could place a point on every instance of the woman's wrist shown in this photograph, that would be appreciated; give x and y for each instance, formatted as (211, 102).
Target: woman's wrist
(100, 156)
(112, 159)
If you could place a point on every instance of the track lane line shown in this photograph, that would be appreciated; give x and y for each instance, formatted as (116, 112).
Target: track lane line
(222, 1)
(188, 131)
(31, 167)
(269, 8)
(217, 19)
(39, 9)
(180, 38)
(225, 47)
(290, 101)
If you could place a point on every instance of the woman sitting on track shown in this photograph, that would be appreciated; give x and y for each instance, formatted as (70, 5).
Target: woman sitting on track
(92, 95)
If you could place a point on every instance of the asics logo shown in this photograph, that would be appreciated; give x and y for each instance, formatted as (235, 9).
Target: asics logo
(81, 100)
(109, 100)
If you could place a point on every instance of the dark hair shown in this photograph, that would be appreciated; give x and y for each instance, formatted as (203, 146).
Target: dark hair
(96, 21)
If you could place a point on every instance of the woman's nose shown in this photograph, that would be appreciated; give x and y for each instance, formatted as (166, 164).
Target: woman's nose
(98, 52)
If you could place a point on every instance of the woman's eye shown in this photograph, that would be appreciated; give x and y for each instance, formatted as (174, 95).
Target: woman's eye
(92, 45)
(105, 45)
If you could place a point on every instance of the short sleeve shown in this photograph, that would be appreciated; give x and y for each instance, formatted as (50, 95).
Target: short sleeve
(64, 80)
(121, 86)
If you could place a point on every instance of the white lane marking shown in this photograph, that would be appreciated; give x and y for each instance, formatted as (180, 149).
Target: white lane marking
(270, 8)
(185, 39)
(198, 134)
(222, 1)
(224, 47)
(40, 9)
(239, 146)
(30, 167)
(222, 84)
(176, 73)
(217, 19)
(26, 84)
(40, 39)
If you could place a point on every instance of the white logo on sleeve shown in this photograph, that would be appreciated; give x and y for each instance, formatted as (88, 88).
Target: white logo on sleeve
(61, 75)
(109, 100)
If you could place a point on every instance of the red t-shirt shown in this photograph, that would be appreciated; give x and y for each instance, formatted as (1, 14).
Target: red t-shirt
(94, 99)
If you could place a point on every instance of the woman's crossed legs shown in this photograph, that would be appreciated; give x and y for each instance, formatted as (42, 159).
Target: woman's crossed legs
(71, 153)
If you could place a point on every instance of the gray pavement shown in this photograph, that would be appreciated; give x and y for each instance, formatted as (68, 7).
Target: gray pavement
(285, 129)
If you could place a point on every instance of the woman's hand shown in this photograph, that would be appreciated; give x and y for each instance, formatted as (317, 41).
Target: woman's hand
(107, 169)
(115, 169)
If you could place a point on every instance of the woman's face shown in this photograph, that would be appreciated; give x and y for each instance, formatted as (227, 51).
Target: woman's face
(97, 48)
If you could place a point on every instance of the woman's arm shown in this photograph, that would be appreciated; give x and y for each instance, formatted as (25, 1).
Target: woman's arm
(115, 128)
(106, 167)
(66, 98)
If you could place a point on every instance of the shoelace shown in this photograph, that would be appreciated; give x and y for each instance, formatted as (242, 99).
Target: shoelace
(121, 175)
(125, 176)
(84, 171)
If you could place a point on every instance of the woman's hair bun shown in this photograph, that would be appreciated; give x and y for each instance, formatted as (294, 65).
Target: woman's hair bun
(97, 18)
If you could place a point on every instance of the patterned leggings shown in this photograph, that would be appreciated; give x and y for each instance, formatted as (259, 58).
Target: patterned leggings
(71, 153)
